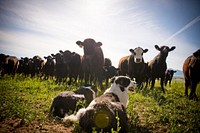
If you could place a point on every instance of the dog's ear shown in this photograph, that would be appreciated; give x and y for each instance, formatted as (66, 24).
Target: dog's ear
(112, 80)
(123, 81)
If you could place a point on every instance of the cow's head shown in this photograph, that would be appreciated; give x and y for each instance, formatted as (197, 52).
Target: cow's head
(37, 62)
(66, 55)
(197, 53)
(138, 54)
(89, 46)
(164, 49)
(58, 57)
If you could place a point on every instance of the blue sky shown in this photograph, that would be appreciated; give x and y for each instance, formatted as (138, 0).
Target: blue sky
(35, 27)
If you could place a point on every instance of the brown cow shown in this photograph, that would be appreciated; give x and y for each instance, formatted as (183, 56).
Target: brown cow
(93, 60)
(9, 64)
(158, 65)
(191, 71)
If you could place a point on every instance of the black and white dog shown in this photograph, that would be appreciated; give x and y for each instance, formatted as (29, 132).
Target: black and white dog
(65, 103)
(102, 112)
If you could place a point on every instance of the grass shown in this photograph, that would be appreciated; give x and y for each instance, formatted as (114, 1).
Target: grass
(148, 110)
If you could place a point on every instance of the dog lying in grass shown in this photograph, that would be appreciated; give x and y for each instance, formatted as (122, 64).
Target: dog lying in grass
(65, 103)
(107, 111)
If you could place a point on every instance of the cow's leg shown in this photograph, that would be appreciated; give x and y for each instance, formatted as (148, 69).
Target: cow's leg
(187, 83)
(152, 83)
(86, 77)
(162, 83)
(170, 82)
(193, 91)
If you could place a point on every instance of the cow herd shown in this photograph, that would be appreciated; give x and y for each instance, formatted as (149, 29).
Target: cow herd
(92, 67)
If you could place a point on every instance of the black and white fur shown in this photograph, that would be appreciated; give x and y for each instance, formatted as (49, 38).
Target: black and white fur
(65, 103)
(113, 103)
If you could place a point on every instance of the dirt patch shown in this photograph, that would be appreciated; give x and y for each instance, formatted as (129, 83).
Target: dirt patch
(17, 125)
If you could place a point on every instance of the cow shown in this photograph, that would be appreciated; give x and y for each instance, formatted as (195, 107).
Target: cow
(134, 65)
(9, 64)
(71, 65)
(49, 67)
(168, 76)
(25, 66)
(38, 64)
(74, 67)
(157, 66)
(93, 60)
(59, 66)
(109, 71)
(191, 71)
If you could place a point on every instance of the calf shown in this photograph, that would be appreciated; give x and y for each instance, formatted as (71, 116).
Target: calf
(168, 76)
(133, 65)
(191, 71)
(158, 65)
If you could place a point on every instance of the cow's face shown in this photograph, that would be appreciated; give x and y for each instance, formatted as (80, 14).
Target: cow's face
(66, 55)
(138, 54)
(89, 46)
(58, 58)
(164, 49)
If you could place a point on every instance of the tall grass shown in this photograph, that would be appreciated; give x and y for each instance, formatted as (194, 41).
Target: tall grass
(148, 110)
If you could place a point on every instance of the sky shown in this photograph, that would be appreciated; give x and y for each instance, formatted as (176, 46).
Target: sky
(43, 27)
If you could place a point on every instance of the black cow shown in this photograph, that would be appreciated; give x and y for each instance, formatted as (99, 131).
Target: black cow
(92, 61)
(38, 64)
(59, 66)
(158, 65)
(168, 76)
(49, 67)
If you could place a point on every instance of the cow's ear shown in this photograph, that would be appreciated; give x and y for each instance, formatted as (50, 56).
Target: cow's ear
(197, 53)
(53, 55)
(157, 47)
(146, 50)
(112, 80)
(61, 51)
(80, 44)
(172, 48)
(174, 71)
(45, 57)
(131, 50)
(99, 44)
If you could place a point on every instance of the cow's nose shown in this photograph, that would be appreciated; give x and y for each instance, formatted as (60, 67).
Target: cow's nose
(138, 60)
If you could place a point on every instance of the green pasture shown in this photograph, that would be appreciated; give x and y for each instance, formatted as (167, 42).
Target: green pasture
(148, 110)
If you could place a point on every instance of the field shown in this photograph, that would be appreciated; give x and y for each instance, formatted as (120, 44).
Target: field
(25, 104)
